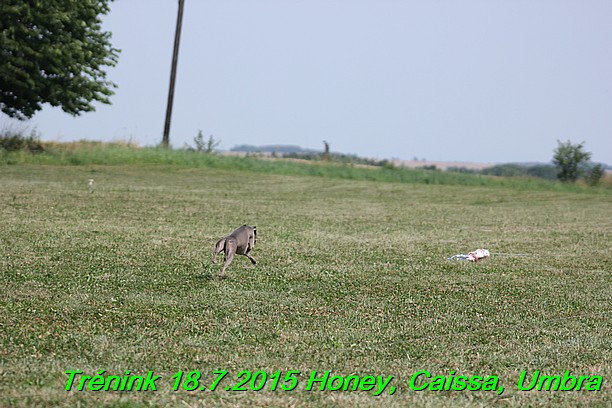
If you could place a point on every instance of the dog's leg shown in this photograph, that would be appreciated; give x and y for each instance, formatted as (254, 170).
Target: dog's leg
(228, 261)
(251, 258)
(230, 251)
(220, 246)
(250, 247)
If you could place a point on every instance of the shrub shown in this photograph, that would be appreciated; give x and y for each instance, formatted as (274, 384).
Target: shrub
(15, 140)
(205, 146)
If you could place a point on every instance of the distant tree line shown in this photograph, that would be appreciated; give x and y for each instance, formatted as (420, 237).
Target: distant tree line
(297, 152)
(340, 158)
(277, 148)
(545, 171)
(570, 162)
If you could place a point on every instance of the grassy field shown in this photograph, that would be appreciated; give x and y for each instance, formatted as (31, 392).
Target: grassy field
(352, 278)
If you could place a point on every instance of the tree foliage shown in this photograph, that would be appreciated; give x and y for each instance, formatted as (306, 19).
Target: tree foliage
(53, 51)
(569, 159)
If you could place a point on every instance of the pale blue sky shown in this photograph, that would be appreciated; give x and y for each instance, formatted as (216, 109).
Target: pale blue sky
(480, 81)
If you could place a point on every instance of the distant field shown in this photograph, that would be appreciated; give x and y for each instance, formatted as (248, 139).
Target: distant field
(352, 278)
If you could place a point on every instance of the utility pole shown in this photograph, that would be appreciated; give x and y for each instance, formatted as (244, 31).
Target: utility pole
(177, 40)
(327, 157)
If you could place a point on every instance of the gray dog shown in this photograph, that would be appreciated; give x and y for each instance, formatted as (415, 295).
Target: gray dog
(241, 242)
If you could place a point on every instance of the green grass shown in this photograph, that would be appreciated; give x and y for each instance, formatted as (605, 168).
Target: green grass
(98, 153)
(352, 277)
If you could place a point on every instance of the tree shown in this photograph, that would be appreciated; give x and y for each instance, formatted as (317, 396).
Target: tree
(53, 51)
(569, 159)
(595, 174)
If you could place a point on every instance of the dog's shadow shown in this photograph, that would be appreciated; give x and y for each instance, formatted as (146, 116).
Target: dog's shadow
(210, 273)
(205, 276)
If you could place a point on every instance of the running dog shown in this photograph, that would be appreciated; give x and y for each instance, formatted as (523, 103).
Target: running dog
(241, 242)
